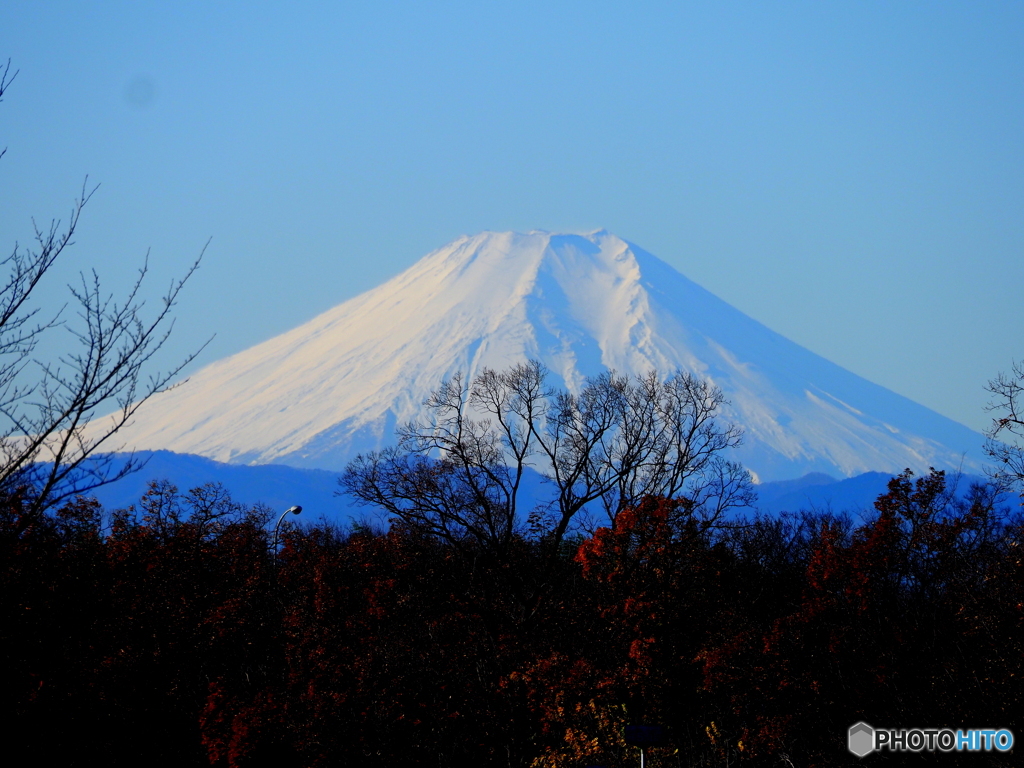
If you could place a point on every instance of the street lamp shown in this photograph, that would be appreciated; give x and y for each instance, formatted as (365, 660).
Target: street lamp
(291, 510)
(645, 736)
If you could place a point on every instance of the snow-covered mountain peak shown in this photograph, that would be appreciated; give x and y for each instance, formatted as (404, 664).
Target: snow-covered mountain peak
(580, 303)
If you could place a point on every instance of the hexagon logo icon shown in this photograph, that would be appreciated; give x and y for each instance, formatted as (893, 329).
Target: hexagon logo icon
(861, 739)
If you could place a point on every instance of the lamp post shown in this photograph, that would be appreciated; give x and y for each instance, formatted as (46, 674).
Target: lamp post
(291, 510)
(276, 600)
(645, 736)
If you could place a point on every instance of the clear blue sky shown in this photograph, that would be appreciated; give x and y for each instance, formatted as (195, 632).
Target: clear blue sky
(850, 174)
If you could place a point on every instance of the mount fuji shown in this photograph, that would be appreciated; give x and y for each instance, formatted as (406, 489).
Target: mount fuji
(580, 303)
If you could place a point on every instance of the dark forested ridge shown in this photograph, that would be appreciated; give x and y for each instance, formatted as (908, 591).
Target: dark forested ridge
(173, 633)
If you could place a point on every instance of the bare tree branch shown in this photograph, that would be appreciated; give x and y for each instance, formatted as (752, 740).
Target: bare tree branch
(1005, 441)
(6, 78)
(50, 436)
(460, 474)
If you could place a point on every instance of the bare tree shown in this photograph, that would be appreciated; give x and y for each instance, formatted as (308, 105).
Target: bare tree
(1006, 435)
(462, 472)
(50, 437)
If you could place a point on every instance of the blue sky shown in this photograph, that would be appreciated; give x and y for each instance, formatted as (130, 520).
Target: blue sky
(852, 175)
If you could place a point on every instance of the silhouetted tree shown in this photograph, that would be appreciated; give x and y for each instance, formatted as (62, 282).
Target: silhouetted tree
(1006, 435)
(460, 474)
(900, 619)
(48, 409)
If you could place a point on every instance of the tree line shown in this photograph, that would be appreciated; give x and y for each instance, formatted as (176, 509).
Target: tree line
(174, 632)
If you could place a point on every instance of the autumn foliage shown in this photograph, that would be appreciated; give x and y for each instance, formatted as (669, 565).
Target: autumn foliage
(173, 634)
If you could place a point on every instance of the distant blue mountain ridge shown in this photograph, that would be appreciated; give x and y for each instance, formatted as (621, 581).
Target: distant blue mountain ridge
(316, 490)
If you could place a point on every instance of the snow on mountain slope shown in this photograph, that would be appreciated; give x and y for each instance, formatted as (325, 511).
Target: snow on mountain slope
(315, 396)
